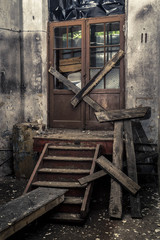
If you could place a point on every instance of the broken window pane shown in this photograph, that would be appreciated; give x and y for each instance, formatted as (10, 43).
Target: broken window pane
(112, 35)
(97, 57)
(97, 34)
(74, 36)
(60, 37)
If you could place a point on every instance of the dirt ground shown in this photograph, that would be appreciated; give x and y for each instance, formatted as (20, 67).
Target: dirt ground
(98, 226)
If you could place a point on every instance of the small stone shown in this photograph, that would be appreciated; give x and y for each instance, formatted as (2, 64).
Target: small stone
(116, 234)
(47, 234)
(157, 230)
(124, 221)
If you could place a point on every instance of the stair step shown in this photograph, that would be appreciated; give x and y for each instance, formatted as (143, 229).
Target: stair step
(71, 148)
(67, 217)
(57, 158)
(73, 200)
(64, 170)
(58, 184)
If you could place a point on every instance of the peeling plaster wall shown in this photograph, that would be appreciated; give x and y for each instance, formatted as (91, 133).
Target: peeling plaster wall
(142, 60)
(34, 45)
(23, 69)
(10, 96)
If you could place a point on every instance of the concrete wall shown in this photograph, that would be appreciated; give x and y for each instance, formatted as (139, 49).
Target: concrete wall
(34, 72)
(23, 69)
(142, 60)
(10, 79)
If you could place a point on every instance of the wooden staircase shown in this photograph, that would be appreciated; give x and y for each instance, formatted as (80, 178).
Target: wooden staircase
(61, 167)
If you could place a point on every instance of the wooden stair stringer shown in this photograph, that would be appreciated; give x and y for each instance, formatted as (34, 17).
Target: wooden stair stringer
(38, 165)
(89, 189)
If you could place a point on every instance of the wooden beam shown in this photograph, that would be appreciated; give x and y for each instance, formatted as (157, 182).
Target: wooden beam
(92, 177)
(122, 114)
(96, 79)
(132, 169)
(118, 175)
(75, 89)
(115, 204)
(70, 64)
(23, 210)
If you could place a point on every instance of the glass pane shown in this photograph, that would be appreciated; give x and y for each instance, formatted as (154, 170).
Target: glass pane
(74, 36)
(97, 34)
(60, 37)
(97, 57)
(68, 63)
(69, 53)
(93, 72)
(112, 35)
(75, 78)
(112, 79)
(110, 52)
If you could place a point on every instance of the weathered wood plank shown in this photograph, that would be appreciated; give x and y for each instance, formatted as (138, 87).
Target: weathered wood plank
(118, 175)
(57, 184)
(70, 217)
(70, 64)
(89, 189)
(115, 204)
(92, 177)
(21, 211)
(96, 79)
(70, 68)
(132, 169)
(75, 89)
(70, 61)
(122, 114)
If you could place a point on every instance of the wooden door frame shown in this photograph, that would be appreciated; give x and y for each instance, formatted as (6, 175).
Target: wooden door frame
(85, 23)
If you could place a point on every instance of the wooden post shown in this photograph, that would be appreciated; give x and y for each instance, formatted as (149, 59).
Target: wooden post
(132, 170)
(115, 204)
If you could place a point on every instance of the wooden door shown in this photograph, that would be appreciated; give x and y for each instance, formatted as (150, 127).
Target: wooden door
(104, 38)
(66, 51)
(79, 49)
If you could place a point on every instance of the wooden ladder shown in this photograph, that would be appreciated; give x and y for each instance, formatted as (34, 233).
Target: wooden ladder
(61, 167)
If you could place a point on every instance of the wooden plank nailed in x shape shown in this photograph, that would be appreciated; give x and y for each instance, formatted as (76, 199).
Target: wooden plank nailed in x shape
(71, 86)
(97, 78)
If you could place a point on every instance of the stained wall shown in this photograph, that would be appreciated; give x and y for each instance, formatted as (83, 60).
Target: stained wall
(142, 60)
(23, 69)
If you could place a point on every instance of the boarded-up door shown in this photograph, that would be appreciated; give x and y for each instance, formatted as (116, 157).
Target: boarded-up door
(79, 49)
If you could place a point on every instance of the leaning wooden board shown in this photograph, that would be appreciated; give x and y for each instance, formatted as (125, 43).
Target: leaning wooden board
(122, 114)
(21, 211)
(118, 175)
